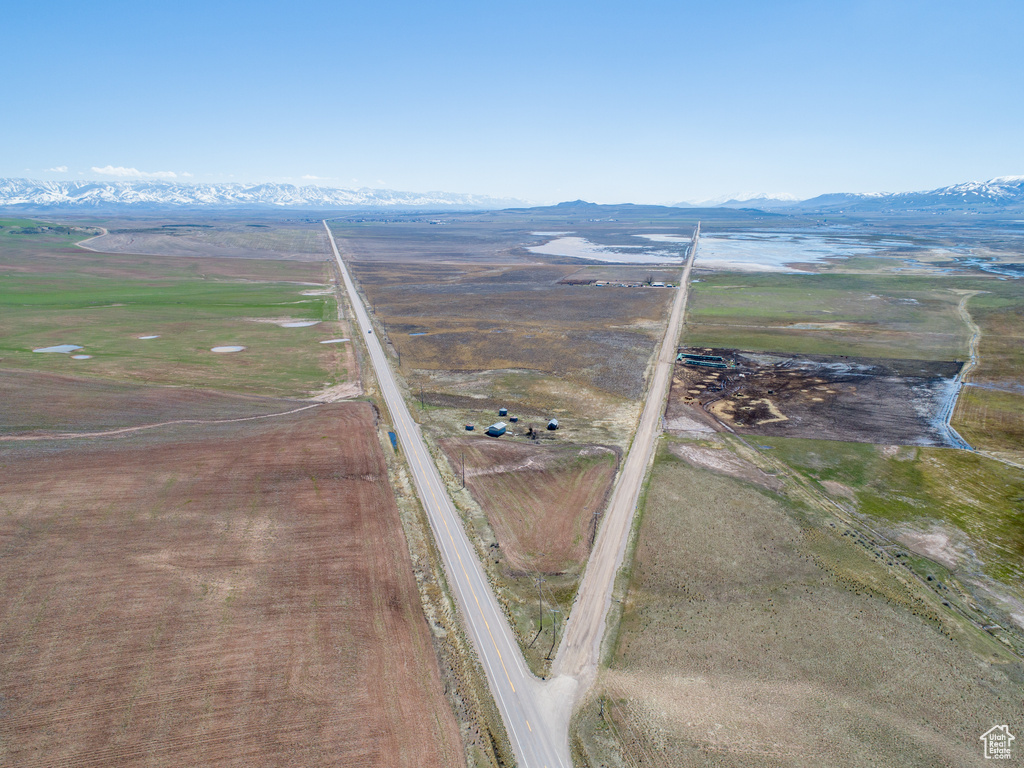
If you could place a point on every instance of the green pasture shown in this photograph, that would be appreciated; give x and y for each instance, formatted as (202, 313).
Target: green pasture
(106, 317)
(978, 496)
(990, 419)
(38, 247)
(999, 313)
(18, 236)
(859, 315)
(53, 292)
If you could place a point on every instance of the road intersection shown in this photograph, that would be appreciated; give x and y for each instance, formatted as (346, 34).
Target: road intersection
(535, 713)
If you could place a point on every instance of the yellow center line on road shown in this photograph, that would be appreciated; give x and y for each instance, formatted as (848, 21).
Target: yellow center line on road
(442, 510)
(490, 634)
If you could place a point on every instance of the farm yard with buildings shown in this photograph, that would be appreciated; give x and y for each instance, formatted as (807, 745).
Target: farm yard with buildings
(235, 578)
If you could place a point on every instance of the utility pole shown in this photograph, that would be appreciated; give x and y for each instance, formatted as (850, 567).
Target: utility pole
(463, 469)
(554, 631)
(540, 601)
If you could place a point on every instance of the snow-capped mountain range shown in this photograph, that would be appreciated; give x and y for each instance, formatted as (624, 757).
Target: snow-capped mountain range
(1004, 193)
(164, 194)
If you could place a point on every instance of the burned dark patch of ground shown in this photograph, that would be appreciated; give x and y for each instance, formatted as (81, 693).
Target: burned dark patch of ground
(814, 396)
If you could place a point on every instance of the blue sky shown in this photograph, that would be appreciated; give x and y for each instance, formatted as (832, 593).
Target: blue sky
(607, 101)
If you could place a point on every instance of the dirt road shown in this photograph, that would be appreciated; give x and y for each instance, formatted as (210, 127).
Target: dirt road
(580, 649)
(536, 715)
(82, 243)
(949, 407)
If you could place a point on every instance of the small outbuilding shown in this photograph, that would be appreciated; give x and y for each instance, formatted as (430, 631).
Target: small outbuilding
(469, 427)
(497, 430)
(503, 411)
(553, 425)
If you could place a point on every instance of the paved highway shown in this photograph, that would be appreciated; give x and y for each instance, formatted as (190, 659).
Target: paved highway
(579, 651)
(536, 714)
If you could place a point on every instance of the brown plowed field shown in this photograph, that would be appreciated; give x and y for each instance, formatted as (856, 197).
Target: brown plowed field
(35, 402)
(236, 596)
(540, 501)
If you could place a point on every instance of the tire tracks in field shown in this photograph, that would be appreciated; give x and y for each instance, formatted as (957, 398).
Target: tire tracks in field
(128, 430)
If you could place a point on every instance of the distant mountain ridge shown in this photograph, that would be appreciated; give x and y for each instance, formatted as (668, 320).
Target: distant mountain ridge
(1001, 193)
(1004, 193)
(165, 194)
(761, 200)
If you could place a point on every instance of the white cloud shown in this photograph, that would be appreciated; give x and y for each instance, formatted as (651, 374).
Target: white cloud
(311, 177)
(58, 169)
(133, 173)
(187, 175)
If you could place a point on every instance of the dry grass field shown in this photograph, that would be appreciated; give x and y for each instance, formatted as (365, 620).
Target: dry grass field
(279, 242)
(413, 241)
(831, 314)
(752, 636)
(539, 505)
(472, 335)
(516, 317)
(540, 501)
(991, 411)
(231, 595)
(991, 418)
